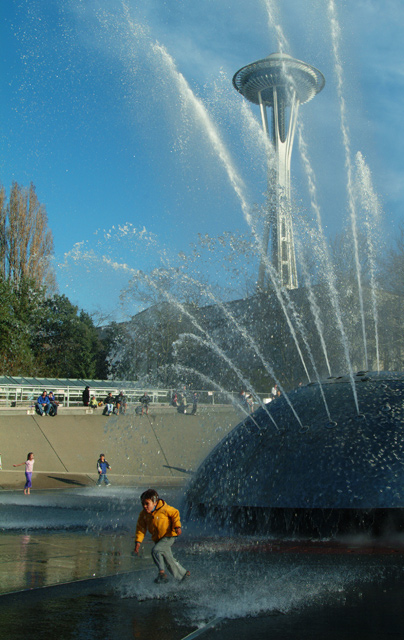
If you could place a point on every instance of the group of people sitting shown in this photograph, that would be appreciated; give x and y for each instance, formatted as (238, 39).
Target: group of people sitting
(112, 404)
(47, 405)
(179, 400)
(115, 404)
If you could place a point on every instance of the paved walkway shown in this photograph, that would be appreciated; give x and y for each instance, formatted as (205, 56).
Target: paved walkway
(34, 560)
(294, 591)
(45, 480)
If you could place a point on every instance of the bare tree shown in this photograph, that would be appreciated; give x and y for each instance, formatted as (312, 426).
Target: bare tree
(26, 242)
(3, 240)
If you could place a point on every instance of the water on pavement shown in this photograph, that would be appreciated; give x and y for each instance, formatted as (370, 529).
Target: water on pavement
(67, 572)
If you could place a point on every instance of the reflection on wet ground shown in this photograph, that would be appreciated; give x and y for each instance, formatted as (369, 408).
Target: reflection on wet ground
(33, 560)
(84, 584)
(252, 588)
(70, 614)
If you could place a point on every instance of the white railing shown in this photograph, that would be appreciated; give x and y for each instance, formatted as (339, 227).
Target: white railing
(13, 395)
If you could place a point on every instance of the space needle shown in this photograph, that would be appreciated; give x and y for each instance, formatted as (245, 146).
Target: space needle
(283, 83)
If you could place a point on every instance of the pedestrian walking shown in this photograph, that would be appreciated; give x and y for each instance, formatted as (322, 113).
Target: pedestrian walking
(102, 467)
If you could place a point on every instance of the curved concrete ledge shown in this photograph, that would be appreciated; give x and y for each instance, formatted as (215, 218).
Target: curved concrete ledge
(164, 446)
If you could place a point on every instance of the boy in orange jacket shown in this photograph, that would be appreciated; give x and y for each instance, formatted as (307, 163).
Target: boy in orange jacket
(163, 522)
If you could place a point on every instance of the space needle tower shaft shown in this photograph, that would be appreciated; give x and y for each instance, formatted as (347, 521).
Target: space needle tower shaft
(282, 83)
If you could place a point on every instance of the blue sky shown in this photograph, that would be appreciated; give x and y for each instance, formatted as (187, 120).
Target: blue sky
(92, 115)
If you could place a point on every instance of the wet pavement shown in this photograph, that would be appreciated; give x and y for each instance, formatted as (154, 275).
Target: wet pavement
(35, 560)
(67, 572)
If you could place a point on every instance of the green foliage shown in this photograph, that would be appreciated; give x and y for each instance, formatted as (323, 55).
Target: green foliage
(47, 337)
(67, 343)
(15, 332)
(40, 334)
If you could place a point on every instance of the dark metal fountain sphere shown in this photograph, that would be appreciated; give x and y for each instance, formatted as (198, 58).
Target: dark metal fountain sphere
(283, 72)
(347, 472)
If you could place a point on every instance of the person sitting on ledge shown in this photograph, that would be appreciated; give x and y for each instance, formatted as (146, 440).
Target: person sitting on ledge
(93, 403)
(43, 404)
(53, 411)
(109, 405)
(144, 400)
(120, 403)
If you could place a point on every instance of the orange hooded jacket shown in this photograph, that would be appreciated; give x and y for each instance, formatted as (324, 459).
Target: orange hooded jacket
(161, 523)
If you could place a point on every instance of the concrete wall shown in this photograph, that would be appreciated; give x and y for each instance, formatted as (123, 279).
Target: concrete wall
(164, 445)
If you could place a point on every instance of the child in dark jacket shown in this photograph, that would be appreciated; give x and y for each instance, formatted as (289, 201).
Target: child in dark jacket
(102, 466)
(163, 522)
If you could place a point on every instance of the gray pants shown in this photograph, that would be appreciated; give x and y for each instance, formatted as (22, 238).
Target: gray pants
(163, 556)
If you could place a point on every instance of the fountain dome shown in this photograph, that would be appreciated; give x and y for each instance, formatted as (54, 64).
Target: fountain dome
(314, 473)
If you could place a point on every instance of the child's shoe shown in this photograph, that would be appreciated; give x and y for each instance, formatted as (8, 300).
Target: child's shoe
(186, 576)
(161, 578)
